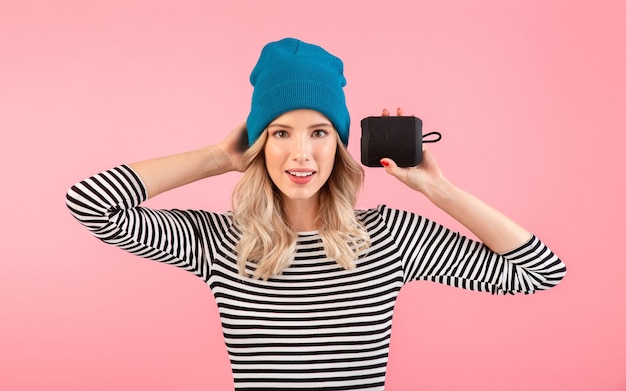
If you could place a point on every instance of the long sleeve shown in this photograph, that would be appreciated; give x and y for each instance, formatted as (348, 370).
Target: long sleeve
(430, 251)
(107, 204)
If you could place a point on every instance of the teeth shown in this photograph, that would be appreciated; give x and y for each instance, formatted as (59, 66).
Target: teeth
(300, 174)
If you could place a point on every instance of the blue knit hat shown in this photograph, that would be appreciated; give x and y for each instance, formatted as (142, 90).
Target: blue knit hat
(292, 74)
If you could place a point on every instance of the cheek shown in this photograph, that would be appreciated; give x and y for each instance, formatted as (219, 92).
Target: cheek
(328, 157)
(272, 156)
(274, 161)
(271, 170)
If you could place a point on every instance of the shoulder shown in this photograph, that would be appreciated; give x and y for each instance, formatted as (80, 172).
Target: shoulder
(366, 215)
(218, 226)
(382, 214)
(214, 219)
(391, 219)
(383, 211)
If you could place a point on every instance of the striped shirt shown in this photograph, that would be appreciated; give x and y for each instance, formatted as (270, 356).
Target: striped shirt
(316, 326)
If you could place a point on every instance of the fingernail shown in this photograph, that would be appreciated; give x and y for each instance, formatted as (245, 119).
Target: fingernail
(384, 163)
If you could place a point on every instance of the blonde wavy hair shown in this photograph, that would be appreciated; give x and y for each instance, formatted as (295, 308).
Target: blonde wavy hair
(267, 239)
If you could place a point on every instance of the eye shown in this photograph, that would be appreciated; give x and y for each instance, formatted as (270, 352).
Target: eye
(319, 133)
(280, 133)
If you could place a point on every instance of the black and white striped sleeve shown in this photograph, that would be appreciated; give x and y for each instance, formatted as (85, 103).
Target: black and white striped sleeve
(432, 252)
(107, 204)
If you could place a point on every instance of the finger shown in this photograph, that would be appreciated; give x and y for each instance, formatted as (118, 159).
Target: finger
(401, 174)
(427, 156)
(400, 111)
(243, 140)
(391, 167)
(385, 113)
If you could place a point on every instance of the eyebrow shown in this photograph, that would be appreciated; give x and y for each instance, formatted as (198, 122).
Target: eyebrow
(321, 124)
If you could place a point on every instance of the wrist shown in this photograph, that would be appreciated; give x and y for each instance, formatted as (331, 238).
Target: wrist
(440, 190)
(215, 161)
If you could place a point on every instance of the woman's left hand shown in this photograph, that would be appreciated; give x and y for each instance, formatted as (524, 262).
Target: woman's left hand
(499, 232)
(419, 177)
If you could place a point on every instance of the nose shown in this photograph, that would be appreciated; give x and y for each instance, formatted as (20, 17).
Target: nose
(301, 148)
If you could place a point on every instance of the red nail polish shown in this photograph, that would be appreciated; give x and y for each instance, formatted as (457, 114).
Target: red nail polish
(384, 163)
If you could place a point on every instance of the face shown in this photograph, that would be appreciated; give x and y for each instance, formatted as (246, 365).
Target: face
(300, 153)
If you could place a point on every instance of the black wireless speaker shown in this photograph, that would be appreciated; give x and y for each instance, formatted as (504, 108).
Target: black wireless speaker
(398, 138)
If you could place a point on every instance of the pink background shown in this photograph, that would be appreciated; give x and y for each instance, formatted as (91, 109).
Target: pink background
(530, 98)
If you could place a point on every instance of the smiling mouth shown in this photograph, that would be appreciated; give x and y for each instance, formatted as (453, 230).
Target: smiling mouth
(299, 174)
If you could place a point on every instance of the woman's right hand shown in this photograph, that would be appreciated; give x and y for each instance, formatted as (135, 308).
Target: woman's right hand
(168, 172)
(234, 145)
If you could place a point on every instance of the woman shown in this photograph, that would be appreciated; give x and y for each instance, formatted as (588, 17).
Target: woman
(306, 285)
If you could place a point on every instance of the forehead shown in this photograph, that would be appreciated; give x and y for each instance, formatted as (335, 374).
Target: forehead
(301, 117)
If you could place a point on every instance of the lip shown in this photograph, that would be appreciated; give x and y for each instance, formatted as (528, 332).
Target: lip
(300, 180)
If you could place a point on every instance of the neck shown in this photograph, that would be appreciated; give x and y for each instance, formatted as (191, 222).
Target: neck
(302, 214)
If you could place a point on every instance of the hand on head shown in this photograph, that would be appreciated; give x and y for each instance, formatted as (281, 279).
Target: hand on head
(234, 145)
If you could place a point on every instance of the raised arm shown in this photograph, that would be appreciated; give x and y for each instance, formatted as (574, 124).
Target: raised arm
(509, 259)
(493, 228)
(165, 173)
(108, 205)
